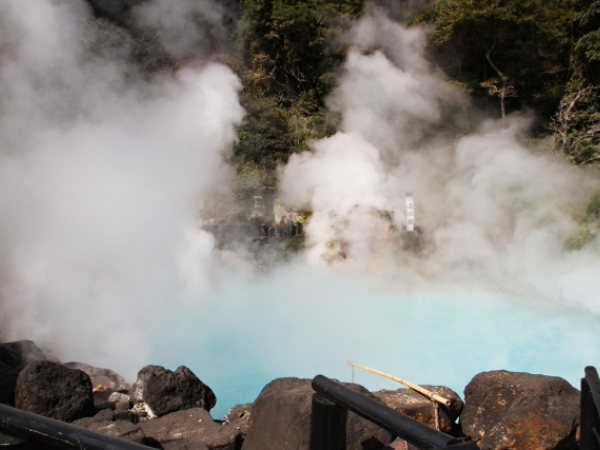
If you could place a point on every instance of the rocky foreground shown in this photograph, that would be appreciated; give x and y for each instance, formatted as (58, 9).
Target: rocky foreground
(170, 410)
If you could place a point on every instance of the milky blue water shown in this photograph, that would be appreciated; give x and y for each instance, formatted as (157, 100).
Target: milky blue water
(241, 336)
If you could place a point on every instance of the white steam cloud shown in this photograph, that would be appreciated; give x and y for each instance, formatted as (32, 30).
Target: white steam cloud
(491, 211)
(100, 177)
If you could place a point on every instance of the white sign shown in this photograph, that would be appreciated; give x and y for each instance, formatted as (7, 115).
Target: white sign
(410, 212)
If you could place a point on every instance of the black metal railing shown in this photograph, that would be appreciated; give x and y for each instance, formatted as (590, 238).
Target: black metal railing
(331, 403)
(20, 430)
(590, 410)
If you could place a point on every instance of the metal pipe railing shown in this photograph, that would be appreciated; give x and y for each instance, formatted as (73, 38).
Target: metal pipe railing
(590, 410)
(398, 424)
(60, 435)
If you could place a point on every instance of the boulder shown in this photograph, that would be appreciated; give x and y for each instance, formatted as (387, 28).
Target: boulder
(104, 423)
(400, 444)
(119, 401)
(191, 429)
(20, 353)
(511, 410)
(121, 429)
(105, 383)
(54, 390)
(102, 379)
(281, 416)
(238, 418)
(14, 356)
(164, 391)
(8, 383)
(108, 415)
(420, 408)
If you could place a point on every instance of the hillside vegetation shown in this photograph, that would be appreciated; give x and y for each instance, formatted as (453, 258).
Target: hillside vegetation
(542, 56)
(510, 55)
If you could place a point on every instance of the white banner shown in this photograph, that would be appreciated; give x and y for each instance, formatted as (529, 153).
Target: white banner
(410, 212)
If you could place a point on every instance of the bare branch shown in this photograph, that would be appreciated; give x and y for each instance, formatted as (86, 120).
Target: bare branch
(567, 117)
(507, 90)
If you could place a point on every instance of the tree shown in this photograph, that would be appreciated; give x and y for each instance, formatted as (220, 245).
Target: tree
(507, 47)
(506, 88)
(576, 124)
(286, 45)
(291, 65)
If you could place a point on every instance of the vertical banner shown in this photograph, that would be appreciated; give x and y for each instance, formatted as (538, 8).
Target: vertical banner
(410, 212)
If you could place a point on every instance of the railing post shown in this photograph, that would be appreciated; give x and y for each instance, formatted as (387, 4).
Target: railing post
(590, 417)
(327, 425)
(412, 431)
(8, 442)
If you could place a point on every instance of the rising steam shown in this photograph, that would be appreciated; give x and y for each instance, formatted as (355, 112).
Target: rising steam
(491, 211)
(101, 173)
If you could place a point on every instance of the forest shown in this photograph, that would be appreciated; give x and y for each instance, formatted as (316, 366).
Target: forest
(538, 56)
(508, 55)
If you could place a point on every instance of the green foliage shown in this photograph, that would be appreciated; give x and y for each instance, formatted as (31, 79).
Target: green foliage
(102, 38)
(292, 65)
(581, 239)
(286, 42)
(592, 212)
(589, 45)
(586, 36)
(576, 124)
(577, 121)
(590, 225)
(251, 177)
(269, 134)
(497, 44)
(536, 53)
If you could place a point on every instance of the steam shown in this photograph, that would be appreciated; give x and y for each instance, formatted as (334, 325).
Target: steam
(186, 28)
(100, 179)
(490, 209)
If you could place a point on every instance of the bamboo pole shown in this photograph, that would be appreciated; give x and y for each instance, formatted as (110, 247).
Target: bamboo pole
(427, 393)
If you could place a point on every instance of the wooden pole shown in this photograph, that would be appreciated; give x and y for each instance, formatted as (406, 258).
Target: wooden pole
(427, 393)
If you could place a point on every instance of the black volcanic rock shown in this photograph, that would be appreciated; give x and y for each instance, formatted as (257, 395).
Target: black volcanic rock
(106, 422)
(164, 391)
(20, 353)
(54, 390)
(238, 418)
(102, 379)
(14, 356)
(8, 383)
(121, 429)
(511, 410)
(191, 429)
(420, 408)
(280, 419)
(105, 383)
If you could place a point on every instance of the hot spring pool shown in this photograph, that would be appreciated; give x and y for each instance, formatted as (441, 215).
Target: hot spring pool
(239, 336)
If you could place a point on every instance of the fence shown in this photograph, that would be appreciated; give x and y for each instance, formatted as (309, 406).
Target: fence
(331, 403)
(20, 430)
(590, 408)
